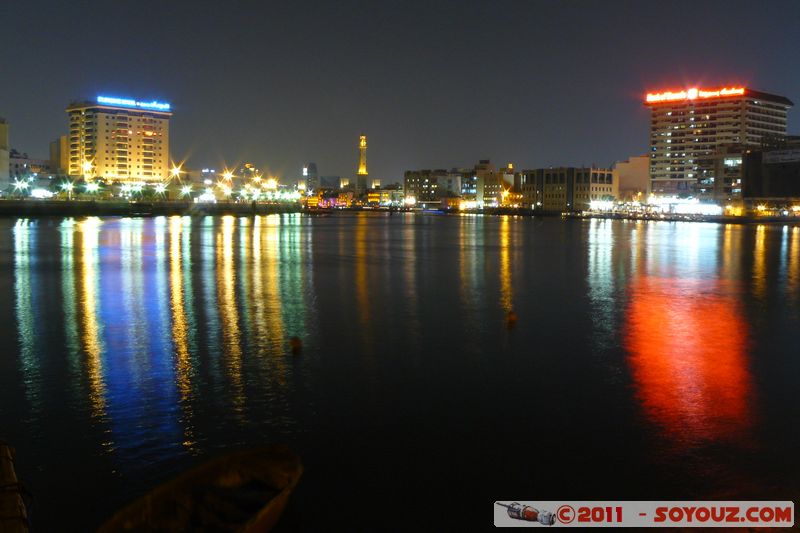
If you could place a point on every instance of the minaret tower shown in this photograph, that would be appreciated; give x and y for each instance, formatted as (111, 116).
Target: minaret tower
(361, 177)
(362, 159)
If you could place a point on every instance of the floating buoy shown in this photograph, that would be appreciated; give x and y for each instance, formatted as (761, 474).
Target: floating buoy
(296, 345)
(511, 319)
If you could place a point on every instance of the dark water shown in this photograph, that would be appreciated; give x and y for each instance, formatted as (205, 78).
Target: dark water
(650, 360)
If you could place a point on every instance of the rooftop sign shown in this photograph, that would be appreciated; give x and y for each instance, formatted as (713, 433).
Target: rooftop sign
(127, 102)
(693, 94)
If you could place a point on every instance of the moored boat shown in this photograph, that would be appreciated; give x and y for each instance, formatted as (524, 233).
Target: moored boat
(242, 491)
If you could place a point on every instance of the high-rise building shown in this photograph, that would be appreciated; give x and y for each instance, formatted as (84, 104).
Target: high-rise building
(361, 176)
(5, 150)
(689, 127)
(119, 139)
(311, 176)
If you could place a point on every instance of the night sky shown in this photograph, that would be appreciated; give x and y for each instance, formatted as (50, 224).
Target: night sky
(432, 84)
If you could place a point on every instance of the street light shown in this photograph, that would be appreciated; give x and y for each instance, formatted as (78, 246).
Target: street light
(68, 186)
(20, 186)
(92, 187)
(175, 172)
(160, 188)
(186, 190)
(87, 168)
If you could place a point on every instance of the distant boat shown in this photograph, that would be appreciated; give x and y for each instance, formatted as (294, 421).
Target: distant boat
(243, 491)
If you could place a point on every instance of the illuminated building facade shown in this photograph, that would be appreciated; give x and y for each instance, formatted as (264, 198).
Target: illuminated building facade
(119, 139)
(633, 178)
(430, 186)
(689, 127)
(361, 176)
(490, 183)
(21, 166)
(563, 189)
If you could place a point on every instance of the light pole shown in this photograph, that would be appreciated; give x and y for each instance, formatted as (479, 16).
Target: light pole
(68, 186)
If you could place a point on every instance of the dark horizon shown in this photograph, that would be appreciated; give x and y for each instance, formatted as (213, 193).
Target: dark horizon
(432, 85)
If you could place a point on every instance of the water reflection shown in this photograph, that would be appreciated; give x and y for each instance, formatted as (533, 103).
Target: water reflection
(92, 343)
(25, 294)
(687, 343)
(686, 335)
(506, 283)
(229, 313)
(180, 301)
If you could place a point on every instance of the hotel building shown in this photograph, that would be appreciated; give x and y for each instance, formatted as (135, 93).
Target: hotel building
(690, 128)
(119, 139)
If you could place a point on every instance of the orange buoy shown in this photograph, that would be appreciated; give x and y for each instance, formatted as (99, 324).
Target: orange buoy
(511, 319)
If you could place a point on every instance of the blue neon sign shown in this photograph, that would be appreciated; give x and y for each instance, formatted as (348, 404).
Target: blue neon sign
(127, 102)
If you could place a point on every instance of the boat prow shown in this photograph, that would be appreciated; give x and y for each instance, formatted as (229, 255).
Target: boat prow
(242, 491)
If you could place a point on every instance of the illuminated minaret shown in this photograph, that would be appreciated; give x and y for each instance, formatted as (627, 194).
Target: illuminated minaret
(361, 177)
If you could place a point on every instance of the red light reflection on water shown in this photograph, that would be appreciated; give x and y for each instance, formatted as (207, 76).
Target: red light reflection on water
(687, 345)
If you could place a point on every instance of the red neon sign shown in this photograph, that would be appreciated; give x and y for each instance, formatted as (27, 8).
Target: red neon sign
(693, 94)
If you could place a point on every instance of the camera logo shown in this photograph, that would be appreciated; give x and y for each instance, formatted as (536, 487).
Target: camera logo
(530, 514)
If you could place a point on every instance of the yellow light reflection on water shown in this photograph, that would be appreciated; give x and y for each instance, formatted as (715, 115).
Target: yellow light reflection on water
(506, 285)
(180, 329)
(361, 283)
(793, 276)
(270, 306)
(759, 262)
(229, 314)
(89, 230)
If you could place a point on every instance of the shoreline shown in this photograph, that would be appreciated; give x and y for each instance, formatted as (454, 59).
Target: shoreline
(80, 208)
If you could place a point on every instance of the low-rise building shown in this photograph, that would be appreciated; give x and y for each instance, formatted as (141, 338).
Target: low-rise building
(633, 178)
(563, 189)
(771, 177)
(20, 166)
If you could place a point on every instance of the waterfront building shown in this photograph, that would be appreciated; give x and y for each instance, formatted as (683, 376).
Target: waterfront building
(772, 177)
(119, 139)
(633, 178)
(469, 183)
(533, 188)
(59, 155)
(361, 176)
(422, 186)
(728, 176)
(5, 152)
(428, 187)
(688, 128)
(564, 189)
(385, 197)
(20, 166)
(490, 183)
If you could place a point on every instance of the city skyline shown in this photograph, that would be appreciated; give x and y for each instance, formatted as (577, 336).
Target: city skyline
(466, 84)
